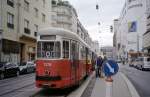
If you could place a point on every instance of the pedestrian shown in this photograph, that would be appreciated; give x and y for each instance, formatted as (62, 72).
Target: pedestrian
(98, 66)
(103, 62)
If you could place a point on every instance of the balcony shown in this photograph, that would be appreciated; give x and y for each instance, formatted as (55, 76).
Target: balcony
(64, 21)
(35, 34)
(9, 25)
(68, 14)
(27, 31)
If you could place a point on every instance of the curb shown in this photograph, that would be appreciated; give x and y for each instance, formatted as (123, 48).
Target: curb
(81, 89)
(130, 86)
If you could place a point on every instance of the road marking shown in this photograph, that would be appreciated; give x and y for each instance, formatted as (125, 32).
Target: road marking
(110, 68)
(131, 88)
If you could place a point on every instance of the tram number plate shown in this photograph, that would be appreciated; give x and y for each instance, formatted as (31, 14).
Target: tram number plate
(46, 84)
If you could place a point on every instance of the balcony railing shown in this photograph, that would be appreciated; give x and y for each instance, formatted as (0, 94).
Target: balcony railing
(35, 34)
(9, 25)
(27, 31)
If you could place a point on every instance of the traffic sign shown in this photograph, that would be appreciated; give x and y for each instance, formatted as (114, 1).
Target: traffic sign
(110, 68)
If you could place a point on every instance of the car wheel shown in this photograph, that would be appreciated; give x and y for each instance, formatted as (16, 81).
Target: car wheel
(2, 76)
(17, 73)
(142, 68)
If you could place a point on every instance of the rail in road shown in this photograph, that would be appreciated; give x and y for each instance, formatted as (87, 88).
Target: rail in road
(13, 85)
(70, 92)
(54, 92)
(24, 86)
(84, 90)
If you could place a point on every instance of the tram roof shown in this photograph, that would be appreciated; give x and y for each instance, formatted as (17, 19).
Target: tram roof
(61, 32)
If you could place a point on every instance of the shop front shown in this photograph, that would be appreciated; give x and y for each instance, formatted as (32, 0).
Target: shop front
(10, 51)
(28, 48)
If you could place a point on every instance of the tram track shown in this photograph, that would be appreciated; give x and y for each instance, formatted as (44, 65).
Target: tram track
(16, 89)
(17, 80)
(54, 92)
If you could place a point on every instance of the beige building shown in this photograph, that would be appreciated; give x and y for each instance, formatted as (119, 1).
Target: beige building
(64, 15)
(19, 23)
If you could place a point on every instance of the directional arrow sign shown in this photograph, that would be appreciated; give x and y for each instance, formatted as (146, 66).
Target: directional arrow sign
(110, 67)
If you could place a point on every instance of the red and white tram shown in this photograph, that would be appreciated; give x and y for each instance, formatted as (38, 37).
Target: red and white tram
(63, 59)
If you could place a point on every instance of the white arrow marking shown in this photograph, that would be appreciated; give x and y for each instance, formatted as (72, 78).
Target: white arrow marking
(110, 68)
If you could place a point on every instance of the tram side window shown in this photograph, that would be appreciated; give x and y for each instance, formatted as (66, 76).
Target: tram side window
(39, 49)
(57, 49)
(65, 49)
(82, 51)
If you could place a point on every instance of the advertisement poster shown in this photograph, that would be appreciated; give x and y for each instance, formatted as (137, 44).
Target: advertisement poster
(132, 26)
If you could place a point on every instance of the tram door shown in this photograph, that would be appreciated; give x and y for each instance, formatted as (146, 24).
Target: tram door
(74, 55)
(87, 61)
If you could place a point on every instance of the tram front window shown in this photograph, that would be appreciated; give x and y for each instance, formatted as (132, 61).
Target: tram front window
(49, 50)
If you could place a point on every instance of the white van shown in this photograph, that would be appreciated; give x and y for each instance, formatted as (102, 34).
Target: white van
(143, 63)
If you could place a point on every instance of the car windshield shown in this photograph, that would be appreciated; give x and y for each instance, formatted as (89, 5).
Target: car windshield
(23, 64)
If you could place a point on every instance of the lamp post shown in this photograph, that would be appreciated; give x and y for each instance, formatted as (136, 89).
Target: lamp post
(1, 31)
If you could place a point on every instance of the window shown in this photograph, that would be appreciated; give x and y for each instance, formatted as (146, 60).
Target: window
(65, 49)
(26, 5)
(26, 23)
(26, 27)
(49, 50)
(36, 30)
(36, 12)
(43, 17)
(10, 20)
(10, 3)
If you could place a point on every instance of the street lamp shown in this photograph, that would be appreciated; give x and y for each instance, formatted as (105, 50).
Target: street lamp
(1, 31)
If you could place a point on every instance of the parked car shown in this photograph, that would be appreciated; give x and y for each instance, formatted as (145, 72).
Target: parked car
(118, 61)
(144, 63)
(132, 62)
(8, 69)
(26, 67)
(136, 62)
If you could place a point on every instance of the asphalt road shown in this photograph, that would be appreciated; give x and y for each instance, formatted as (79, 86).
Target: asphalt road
(24, 86)
(140, 79)
(21, 86)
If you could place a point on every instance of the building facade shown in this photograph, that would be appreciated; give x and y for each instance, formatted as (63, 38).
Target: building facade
(109, 52)
(95, 47)
(19, 22)
(64, 15)
(146, 35)
(116, 39)
(132, 26)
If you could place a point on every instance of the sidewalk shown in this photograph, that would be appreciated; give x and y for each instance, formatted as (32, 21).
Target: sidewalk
(120, 87)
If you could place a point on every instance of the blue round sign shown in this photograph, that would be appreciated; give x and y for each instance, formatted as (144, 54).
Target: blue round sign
(110, 67)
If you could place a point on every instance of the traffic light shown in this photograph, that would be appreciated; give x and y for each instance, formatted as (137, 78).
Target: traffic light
(97, 7)
(111, 28)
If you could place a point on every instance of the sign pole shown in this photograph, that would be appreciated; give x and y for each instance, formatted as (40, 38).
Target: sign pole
(109, 84)
(110, 68)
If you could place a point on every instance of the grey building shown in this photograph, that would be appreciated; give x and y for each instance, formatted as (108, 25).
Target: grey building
(108, 51)
(146, 35)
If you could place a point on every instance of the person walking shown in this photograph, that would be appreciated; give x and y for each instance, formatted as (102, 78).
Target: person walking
(99, 62)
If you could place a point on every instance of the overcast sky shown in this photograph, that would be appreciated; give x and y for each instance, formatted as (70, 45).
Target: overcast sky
(89, 17)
